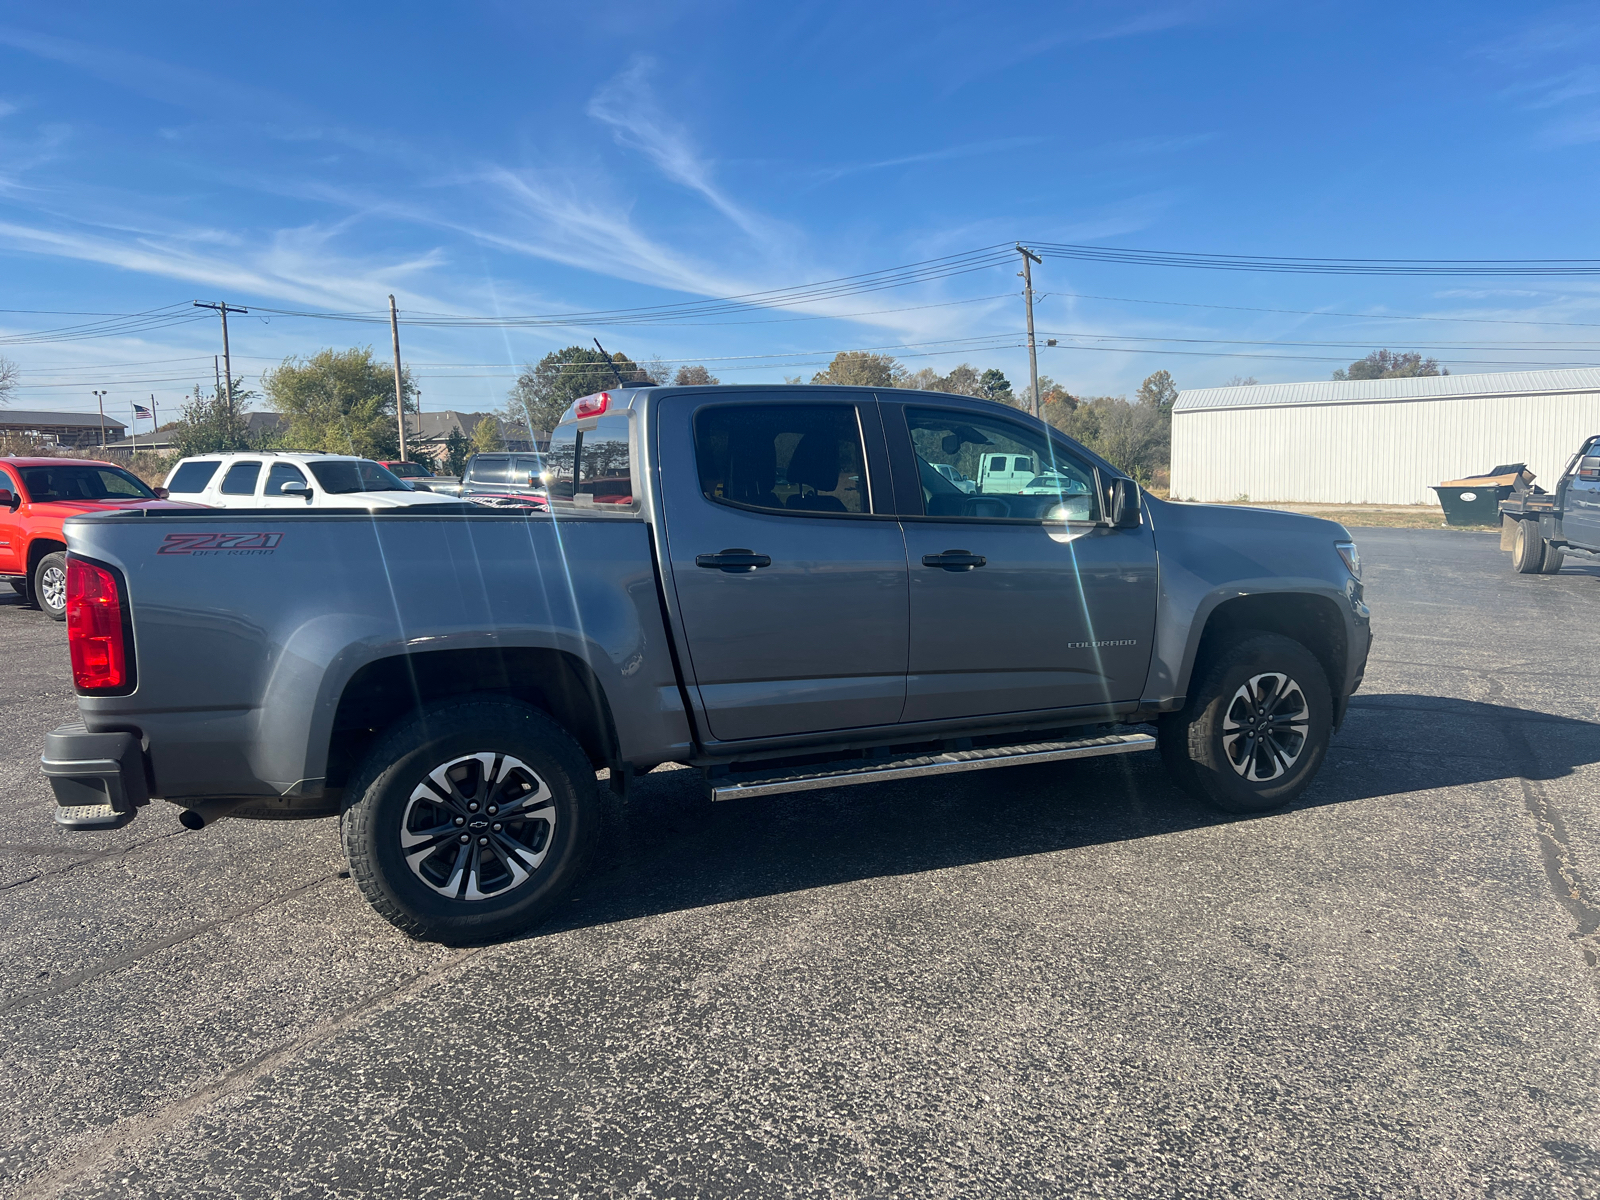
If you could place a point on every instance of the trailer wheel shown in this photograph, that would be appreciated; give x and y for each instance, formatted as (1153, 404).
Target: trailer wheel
(1255, 728)
(469, 821)
(1527, 551)
(1553, 559)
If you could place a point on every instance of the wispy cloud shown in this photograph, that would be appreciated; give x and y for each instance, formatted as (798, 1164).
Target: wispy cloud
(968, 150)
(628, 106)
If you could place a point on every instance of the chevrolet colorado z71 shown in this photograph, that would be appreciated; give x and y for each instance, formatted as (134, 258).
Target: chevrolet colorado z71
(777, 585)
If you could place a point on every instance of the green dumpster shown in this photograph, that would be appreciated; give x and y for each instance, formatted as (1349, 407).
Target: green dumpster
(1475, 500)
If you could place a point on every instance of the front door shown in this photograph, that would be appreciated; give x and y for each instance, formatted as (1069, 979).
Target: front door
(1580, 513)
(788, 570)
(1021, 598)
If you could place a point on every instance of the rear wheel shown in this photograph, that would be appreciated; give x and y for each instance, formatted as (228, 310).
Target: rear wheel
(471, 820)
(1528, 549)
(50, 585)
(1553, 559)
(1255, 728)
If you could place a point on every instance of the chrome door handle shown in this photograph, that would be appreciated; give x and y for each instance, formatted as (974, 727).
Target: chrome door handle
(733, 561)
(954, 560)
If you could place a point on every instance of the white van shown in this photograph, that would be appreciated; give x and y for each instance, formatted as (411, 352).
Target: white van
(1005, 474)
(291, 479)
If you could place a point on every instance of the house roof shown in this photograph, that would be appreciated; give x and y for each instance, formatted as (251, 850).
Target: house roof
(22, 418)
(1370, 391)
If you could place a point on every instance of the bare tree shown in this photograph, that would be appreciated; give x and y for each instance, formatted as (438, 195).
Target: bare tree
(8, 379)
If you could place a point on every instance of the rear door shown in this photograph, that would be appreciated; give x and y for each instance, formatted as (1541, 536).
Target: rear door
(788, 565)
(239, 482)
(1020, 600)
(12, 540)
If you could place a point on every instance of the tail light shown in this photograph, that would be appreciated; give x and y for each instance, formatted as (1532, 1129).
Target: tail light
(591, 406)
(96, 629)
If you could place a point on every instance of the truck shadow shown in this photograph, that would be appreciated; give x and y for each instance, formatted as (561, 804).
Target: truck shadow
(668, 848)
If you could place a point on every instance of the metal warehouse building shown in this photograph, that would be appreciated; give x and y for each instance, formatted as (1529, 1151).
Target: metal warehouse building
(1376, 441)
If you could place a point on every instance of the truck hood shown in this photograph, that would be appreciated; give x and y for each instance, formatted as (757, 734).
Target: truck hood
(74, 508)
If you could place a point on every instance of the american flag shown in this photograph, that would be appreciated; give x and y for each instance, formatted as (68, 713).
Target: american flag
(140, 410)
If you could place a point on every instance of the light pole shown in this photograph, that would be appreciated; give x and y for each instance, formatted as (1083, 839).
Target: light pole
(100, 401)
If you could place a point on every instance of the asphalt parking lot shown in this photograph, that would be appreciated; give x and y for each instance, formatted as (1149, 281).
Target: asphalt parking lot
(1043, 981)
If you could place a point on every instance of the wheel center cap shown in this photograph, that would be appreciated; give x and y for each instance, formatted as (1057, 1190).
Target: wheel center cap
(480, 823)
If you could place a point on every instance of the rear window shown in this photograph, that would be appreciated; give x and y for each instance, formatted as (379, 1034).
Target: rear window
(192, 477)
(592, 467)
(341, 477)
(525, 470)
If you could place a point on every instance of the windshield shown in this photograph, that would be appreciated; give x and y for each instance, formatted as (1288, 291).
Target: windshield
(340, 477)
(82, 482)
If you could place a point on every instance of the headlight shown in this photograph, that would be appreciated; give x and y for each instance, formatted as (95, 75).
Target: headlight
(1351, 556)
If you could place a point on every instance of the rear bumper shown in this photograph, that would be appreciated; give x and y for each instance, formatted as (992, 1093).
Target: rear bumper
(96, 770)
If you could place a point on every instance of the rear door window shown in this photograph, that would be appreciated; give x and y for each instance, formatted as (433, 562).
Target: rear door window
(191, 477)
(241, 479)
(789, 458)
(489, 468)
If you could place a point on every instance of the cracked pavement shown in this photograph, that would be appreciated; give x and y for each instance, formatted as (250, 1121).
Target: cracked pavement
(1039, 981)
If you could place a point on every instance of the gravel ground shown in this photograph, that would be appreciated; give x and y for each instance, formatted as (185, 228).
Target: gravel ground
(1041, 981)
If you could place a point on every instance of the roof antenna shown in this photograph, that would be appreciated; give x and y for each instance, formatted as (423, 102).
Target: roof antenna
(610, 363)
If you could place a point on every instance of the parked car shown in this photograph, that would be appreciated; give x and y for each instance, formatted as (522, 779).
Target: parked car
(678, 604)
(36, 496)
(1542, 528)
(290, 479)
(956, 477)
(422, 477)
(503, 474)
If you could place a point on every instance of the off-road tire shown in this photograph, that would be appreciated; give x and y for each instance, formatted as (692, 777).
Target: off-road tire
(382, 788)
(1192, 741)
(1528, 549)
(50, 584)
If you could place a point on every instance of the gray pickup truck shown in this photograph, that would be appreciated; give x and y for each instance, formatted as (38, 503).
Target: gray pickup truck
(779, 586)
(1542, 528)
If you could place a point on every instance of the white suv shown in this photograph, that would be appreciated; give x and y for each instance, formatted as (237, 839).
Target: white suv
(291, 479)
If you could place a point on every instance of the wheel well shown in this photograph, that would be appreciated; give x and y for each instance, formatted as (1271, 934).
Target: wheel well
(383, 692)
(1313, 621)
(37, 549)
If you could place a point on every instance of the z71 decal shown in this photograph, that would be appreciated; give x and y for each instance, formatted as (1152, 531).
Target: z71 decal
(220, 543)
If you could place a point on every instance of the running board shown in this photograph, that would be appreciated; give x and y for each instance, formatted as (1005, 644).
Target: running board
(770, 783)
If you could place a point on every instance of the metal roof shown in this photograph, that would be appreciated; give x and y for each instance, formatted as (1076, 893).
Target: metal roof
(1377, 391)
(23, 418)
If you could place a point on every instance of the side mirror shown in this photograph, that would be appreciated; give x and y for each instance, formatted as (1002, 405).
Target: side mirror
(161, 493)
(420, 487)
(1127, 507)
(296, 488)
(10, 499)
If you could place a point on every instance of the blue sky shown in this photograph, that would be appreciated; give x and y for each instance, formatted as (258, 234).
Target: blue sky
(498, 158)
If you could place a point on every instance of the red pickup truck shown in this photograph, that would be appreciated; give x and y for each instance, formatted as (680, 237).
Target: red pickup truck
(36, 496)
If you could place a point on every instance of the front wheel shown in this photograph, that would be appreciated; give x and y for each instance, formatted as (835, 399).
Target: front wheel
(469, 821)
(1255, 728)
(50, 585)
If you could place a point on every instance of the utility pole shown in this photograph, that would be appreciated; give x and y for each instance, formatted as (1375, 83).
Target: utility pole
(216, 374)
(399, 392)
(227, 361)
(1028, 256)
(100, 399)
(134, 413)
(155, 420)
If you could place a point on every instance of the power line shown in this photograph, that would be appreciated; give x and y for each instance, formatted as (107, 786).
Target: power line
(1321, 266)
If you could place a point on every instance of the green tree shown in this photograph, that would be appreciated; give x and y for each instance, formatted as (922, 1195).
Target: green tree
(210, 425)
(547, 388)
(860, 369)
(1159, 392)
(1132, 437)
(993, 385)
(1390, 364)
(457, 449)
(486, 437)
(339, 402)
(695, 376)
